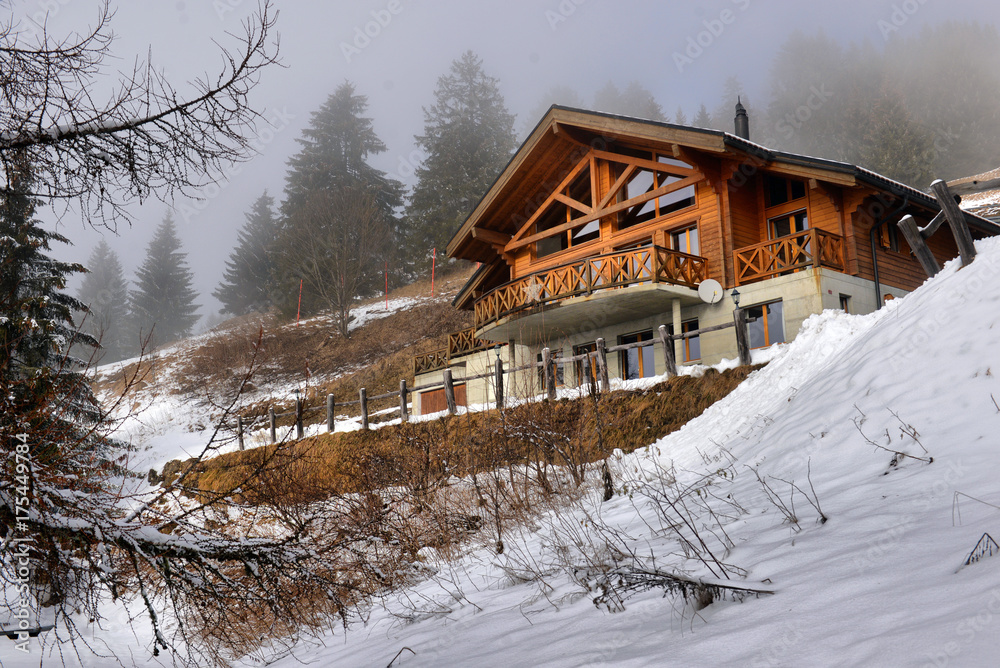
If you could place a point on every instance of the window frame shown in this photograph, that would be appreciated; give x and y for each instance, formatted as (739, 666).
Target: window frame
(640, 354)
(766, 323)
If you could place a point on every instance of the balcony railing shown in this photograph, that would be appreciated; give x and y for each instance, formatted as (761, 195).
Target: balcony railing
(459, 344)
(809, 248)
(649, 264)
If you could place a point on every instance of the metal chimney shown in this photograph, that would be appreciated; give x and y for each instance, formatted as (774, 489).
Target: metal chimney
(742, 121)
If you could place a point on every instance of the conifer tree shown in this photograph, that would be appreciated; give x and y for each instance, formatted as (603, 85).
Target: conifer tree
(250, 270)
(468, 138)
(334, 159)
(163, 299)
(702, 119)
(635, 100)
(42, 389)
(105, 292)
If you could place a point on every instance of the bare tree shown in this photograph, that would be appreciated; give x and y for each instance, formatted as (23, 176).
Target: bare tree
(336, 244)
(146, 138)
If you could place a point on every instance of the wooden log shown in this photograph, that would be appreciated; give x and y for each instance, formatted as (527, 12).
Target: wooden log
(667, 343)
(239, 430)
(908, 226)
(742, 338)
(602, 365)
(330, 408)
(549, 374)
(299, 431)
(363, 400)
(271, 424)
(449, 392)
(933, 226)
(499, 382)
(956, 220)
(404, 414)
(589, 375)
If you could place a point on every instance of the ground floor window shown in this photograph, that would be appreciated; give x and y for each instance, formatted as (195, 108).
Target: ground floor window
(590, 349)
(637, 362)
(845, 303)
(765, 324)
(691, 345)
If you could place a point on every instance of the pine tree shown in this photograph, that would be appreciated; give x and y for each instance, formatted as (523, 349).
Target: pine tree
(702, 119)
(636, 100)
(681, 117)
(468, 138)
(247, 285)
(105, 292)
(42, 389)
(163, 299)
(333, 159)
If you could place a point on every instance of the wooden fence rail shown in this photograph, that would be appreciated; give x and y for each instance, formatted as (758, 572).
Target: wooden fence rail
(547, 363)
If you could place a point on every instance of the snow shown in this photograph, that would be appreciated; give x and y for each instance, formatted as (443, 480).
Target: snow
(881, 582)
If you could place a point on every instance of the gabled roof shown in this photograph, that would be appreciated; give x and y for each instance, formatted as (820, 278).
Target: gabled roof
(564, 129)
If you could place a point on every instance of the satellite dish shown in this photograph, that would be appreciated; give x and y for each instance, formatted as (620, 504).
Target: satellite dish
(710, 291)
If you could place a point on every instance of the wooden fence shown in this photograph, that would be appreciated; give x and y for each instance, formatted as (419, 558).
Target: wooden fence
(548, 363)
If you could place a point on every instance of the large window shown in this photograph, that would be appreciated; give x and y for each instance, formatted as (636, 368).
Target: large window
(643, 181)
(779, 190)
(782, 226)
(765, 324)
(692, 344)
(637, 362)
(558, 213)
(686, 240)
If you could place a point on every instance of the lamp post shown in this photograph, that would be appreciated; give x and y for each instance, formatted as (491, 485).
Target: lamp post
(735, 294)
(742, 340)
(499, 376)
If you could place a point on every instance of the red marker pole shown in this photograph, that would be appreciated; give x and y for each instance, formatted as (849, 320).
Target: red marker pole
(299, 312)
(433, 263)
(387, 285)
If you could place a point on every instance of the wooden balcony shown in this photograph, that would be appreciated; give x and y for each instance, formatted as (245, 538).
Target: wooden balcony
(809, 248)
(649, 264)
(459, 344)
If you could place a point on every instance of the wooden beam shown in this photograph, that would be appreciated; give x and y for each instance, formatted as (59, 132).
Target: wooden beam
(908, 226)
(611, 194)
(570, 202)
(573, 173)
(933, 226)
(615, 208)
(956, 220)
(969, 187)
(491, 236)
(651, 165)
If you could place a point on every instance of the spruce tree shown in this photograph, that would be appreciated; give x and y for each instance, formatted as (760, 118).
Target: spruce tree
(636, 100)
(105, 292)
(250, 270)
(468, 138)
(163, 299)
(702, 119)
(42, 389)
(334, 159)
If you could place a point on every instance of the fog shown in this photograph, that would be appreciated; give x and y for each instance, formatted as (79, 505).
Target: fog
(395, 50)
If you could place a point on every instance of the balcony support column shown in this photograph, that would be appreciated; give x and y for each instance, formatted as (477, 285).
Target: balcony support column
(678, 343)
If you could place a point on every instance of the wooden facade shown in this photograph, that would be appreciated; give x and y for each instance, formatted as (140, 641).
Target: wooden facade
(593, 202)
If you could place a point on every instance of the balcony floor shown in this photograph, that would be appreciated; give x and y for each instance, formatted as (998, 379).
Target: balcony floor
(576, 315)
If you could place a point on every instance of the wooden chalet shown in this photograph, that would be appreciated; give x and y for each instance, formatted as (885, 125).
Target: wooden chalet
(606, 226)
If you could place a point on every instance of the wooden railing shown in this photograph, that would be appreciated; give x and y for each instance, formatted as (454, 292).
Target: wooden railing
(465, 343)
(430, 361)
(809, 248)
(649, 264)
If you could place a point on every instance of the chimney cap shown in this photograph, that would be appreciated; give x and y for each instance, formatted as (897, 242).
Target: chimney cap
(740, 109)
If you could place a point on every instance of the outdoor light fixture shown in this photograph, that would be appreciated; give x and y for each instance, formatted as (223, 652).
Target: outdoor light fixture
(735, 294)
(496, 348)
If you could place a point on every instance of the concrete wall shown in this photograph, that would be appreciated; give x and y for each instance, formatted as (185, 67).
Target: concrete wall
(803, 293)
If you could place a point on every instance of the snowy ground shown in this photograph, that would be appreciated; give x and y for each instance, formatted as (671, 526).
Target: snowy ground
(879, 584)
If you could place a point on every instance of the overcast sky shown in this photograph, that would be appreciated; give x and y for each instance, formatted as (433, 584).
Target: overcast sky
(682, 51)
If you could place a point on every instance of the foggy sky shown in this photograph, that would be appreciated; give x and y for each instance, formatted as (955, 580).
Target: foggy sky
(682, 51)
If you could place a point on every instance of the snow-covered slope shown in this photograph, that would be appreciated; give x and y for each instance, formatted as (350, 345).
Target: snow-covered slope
(879, 584)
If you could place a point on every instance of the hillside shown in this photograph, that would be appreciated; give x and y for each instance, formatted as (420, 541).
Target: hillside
(887, 422)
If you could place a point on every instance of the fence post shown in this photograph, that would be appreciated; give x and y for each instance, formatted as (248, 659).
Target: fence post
(742, 342)
(602, 364)
(449, 392)
(589, 375)
(330, 406)
(667, 343)
(271, 423)
(404, 414)
(299, 432)
(363, 395)
(911, 233)
(499, 381)
(956, 220)
(549, 374)
(239, 429)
